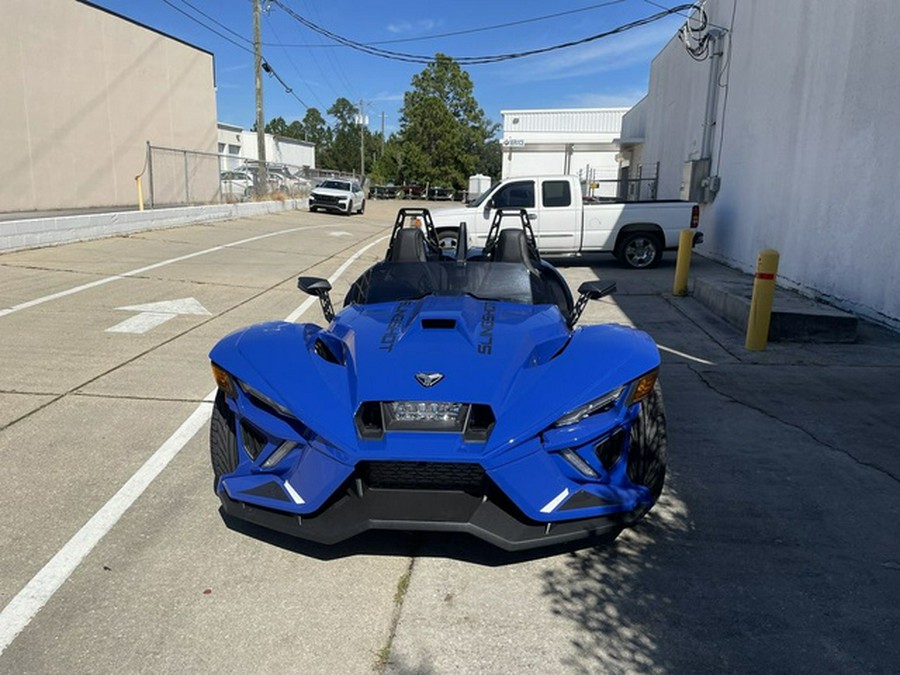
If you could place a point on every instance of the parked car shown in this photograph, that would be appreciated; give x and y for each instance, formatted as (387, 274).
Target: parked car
(636, 233)
(440, 193)
(453, 393)
(343, 196)
(290, 182)
(236, 185)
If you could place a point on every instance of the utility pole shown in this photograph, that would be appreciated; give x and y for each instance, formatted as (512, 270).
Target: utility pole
(362, 144)
(382, 133)
(261, 173)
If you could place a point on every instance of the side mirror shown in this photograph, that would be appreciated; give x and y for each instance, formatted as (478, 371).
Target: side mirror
(594, 290)
(318, 287)
(590, 290)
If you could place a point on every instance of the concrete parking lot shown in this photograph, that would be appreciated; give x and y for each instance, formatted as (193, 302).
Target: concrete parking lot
(774, 547)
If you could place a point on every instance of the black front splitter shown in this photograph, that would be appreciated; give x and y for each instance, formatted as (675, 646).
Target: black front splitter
(431, 511)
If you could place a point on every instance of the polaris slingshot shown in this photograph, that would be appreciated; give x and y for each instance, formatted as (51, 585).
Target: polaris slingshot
(453, 392)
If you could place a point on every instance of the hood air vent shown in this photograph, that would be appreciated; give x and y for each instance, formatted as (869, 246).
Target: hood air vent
(438, 324)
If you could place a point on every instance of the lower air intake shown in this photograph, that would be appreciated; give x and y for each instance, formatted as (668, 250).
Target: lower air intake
(462, 476)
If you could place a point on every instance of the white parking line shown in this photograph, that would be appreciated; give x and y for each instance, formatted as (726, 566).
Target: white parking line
(141, 270)
(37, 592)
(695, 359)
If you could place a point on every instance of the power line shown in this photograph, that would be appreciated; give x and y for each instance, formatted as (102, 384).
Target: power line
(212, 30)
(481, 29)
(266, 66)
(287, 54)
(475, 60)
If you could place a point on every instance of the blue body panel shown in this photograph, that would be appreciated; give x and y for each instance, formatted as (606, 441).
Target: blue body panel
(520, 360)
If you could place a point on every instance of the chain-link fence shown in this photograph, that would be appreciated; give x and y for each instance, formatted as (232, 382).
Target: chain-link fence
(180, 177)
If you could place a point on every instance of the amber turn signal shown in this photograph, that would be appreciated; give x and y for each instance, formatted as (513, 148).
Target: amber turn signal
(644, 386)
(223, 380)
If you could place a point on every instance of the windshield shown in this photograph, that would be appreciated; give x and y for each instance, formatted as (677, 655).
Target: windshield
(336, 185)
(395, 281)
(479, 199)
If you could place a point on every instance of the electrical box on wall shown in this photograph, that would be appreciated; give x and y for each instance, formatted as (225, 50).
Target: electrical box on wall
(693, 177)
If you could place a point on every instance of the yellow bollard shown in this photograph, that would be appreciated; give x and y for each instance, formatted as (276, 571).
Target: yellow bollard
(140, 189)
(683, 262)
(761, 302)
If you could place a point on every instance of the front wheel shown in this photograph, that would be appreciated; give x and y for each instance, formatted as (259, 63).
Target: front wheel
(222, 440)
(448, 237)
(639, 250)
(362, 207)
(648, 450)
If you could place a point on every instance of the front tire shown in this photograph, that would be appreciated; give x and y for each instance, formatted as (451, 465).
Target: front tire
(648, 450)
(349, 211)
(223, 451)
(362, 207)
(639, 250)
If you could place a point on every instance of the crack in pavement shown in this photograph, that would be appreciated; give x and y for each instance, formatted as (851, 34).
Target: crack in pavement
(811, 435)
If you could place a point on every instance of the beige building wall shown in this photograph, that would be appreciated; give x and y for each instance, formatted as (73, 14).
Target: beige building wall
(81, 92)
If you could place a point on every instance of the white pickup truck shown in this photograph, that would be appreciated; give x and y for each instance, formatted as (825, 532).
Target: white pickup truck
(637, 233)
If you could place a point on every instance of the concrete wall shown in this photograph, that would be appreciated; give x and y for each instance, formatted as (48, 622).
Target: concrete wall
(805, 143)
(82, 91)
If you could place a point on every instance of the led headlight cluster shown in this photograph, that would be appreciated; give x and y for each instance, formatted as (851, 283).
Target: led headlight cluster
(637, 391)
(432, 415)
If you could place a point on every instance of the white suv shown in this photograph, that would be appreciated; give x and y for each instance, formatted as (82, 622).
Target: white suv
(343, 196)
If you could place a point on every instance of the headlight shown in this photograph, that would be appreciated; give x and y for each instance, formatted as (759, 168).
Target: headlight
(639, 390)
(266, 401)
(601, 404)
(430, 415)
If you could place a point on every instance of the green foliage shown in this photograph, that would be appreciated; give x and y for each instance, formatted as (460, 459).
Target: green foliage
(443, 131)
(444, 135)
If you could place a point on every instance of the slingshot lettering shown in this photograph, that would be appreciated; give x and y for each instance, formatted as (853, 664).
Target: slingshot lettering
(487, 328)
(394, 326)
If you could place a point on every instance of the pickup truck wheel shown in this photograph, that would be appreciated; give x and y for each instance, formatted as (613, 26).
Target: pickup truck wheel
(639, 250)
(448, 237)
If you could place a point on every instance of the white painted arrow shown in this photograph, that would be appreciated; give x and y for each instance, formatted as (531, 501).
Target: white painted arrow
(154, 314)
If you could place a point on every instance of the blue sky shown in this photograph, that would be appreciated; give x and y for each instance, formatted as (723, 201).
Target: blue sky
(609, 72)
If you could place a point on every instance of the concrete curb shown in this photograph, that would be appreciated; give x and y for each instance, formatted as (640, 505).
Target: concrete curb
(39, 232)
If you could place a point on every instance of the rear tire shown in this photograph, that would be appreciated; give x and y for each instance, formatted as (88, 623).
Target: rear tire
(648, 451)
(448, 237)
(223, 451)
(639, 250)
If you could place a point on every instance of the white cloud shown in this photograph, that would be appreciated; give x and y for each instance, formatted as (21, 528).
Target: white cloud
(418, 26)
(385, 96)
(603, 56)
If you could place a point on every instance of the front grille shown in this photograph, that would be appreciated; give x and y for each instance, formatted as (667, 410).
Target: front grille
(467, 477)
(326, 199)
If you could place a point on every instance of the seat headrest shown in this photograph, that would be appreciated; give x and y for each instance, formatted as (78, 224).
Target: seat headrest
(409, 246)
(512, 247)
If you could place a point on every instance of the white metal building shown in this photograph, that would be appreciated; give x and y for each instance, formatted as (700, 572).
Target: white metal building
(577, 141)
(239, 145)
(802, 137)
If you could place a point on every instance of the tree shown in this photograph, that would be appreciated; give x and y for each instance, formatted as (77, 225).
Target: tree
(443, 131)
(315, 129)
(277, 127)
(342, 153)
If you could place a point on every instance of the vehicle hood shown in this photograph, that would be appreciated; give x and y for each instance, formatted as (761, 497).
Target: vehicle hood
(521, 360)
(451, 216)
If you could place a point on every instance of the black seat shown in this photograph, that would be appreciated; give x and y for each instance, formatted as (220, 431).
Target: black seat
(409, 246)
(512, 247)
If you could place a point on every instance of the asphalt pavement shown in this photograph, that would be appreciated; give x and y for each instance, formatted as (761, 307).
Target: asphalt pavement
(774, 547)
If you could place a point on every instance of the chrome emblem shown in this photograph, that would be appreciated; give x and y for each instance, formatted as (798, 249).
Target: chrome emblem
(429, 379)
